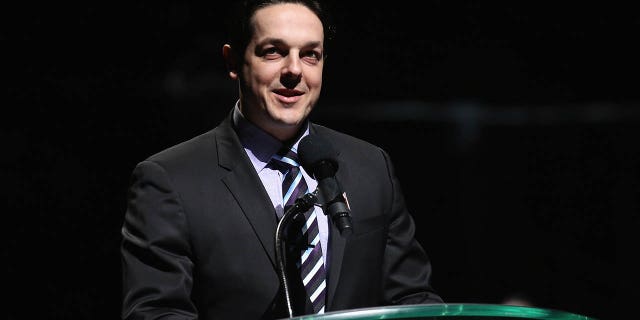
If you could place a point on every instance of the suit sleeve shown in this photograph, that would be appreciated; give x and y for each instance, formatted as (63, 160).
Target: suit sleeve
(406, 266)
(156, 265)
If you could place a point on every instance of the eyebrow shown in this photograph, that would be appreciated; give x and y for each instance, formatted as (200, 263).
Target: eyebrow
(278, 41)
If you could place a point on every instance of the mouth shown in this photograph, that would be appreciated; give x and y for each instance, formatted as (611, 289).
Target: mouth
(288, 95)
(288, 92)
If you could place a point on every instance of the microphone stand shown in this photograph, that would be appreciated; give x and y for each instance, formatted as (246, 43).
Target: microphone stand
(301, 205)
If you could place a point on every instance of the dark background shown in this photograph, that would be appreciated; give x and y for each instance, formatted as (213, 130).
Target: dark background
(513, 127)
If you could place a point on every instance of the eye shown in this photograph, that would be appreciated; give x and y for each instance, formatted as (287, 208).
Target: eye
(311, 56)
(270, 53)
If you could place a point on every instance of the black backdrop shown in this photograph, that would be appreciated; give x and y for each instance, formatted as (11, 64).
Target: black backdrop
(513, 127)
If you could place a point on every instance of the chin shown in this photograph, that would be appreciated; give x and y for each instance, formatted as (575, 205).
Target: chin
(290, 123)
(292, 116)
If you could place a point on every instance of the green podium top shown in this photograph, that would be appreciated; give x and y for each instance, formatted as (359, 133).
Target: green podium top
(463, 311)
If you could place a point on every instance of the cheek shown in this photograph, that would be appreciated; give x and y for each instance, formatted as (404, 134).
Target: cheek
(314, 78)
(263, 77)
(266, 73)
(259, 76)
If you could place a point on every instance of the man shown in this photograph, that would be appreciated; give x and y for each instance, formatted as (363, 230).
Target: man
(198, 236)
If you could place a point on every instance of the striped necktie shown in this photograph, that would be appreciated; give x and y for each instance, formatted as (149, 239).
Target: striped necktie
(311, 264)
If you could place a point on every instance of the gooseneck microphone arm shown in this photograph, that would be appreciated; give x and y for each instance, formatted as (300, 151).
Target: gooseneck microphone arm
(301, 205)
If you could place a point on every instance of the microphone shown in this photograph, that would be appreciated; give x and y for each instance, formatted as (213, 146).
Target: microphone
(318, 157)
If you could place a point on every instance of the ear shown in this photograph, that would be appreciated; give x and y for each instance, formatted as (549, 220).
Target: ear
(230, 61)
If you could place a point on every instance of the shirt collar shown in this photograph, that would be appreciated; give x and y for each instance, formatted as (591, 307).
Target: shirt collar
(259, 145)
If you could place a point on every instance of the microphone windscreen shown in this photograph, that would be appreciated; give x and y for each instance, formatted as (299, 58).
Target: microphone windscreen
(313, 149)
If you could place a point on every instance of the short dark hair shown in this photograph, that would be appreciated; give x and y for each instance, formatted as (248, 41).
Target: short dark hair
(238, 21)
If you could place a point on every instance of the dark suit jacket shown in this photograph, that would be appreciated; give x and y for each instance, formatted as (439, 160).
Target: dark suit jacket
(198, 236)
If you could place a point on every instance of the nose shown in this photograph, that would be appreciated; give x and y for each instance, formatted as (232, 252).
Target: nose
(293, 67)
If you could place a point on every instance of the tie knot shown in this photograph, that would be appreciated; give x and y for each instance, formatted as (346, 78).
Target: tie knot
(289, 158)
(293, 184)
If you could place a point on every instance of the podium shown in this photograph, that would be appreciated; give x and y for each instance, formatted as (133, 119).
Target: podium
(448, 311)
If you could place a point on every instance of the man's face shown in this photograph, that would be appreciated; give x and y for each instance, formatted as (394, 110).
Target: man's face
(281, 76)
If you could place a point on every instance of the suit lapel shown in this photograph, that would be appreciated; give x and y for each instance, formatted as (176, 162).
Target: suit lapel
(243, 182)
